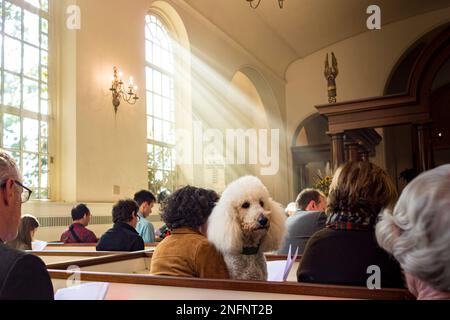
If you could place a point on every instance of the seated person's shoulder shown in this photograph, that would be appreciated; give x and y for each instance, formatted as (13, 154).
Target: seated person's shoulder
(30, 260)
(323, 235)
(23, 270)
(12, 257)
(8, 255)
(336, 238)
(209, 261)
(91, 233)
(105, 239)
(205, 247)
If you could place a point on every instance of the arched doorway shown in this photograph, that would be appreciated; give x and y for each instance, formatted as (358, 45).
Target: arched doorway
(252, 104)
(434, 90)
(310, 152)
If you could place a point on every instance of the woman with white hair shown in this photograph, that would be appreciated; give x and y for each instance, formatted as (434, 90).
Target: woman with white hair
(417, 233)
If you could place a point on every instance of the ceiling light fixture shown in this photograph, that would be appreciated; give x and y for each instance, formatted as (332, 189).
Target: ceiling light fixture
(255, 3)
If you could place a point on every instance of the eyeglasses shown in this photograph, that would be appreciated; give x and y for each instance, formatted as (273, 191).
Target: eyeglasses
(26, 193)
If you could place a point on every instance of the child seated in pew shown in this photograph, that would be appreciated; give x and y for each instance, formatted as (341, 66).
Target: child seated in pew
(27, 228)
(187, 252)
(123, 235)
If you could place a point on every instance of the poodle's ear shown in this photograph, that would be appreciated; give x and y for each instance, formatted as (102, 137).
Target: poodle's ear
(224, 230)
(275, 235)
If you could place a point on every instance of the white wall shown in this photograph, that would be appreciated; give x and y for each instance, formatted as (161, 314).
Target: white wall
(94, 149)
(111, 149)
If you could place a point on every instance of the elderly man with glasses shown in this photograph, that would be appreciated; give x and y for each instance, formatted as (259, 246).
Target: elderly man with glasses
(22, 276)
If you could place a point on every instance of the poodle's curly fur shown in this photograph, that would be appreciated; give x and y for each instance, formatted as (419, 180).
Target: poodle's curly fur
(235, 224)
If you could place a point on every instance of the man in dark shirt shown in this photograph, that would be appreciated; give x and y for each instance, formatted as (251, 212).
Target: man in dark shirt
(77, 232)
(123, 235)
(22, 276)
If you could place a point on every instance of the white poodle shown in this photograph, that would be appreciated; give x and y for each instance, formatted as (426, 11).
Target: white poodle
(245, 223)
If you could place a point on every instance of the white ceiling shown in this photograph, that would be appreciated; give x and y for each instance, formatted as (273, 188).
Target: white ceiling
(302, 26)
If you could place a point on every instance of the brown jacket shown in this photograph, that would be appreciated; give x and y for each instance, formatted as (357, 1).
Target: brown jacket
(188, 253)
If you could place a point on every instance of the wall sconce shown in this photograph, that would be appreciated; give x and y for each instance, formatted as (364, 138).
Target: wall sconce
(118, 92)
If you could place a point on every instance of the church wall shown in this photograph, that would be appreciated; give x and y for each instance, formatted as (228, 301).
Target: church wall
(100, 157)
(365, 62)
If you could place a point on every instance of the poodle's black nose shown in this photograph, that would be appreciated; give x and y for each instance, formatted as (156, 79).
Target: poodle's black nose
(262, 220)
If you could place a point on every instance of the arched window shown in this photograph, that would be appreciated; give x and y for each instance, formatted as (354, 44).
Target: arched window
(160, 95)
(24, 106)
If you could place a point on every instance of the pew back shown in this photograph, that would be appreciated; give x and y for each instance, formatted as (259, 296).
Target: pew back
(130, 280)
(51, 258)
(84, 247)
(139, 263)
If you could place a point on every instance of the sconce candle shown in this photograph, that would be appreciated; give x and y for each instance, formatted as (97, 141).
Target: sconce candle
(118, 92)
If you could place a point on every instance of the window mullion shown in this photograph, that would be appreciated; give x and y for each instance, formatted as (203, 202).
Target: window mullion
(2, 73)
(159, 69)
(22, 145)
(31, 8)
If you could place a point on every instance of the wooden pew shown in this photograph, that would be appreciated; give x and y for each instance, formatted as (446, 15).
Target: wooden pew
(129, 279)
(84, 247)
(139, 263)
(51, 258)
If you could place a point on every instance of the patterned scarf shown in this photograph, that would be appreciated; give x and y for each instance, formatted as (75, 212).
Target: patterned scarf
(350, 221)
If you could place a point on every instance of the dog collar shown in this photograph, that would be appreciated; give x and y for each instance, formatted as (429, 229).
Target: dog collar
(249, 251)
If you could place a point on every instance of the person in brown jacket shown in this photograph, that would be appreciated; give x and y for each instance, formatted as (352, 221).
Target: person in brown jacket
(187, 252)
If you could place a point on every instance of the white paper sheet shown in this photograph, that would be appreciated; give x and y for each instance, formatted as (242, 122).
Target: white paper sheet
(38, 245)
(87, 291)
(278, 270)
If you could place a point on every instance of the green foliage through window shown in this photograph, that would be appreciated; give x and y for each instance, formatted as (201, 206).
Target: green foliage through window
(160, 100)
(24, 99)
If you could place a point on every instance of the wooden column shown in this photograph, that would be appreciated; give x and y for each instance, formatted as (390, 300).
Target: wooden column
(364, 154)
(301, 177)
(424, 147)
(352, 152)
(337, 150)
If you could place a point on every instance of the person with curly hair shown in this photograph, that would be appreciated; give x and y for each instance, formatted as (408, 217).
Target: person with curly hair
(187, 252)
